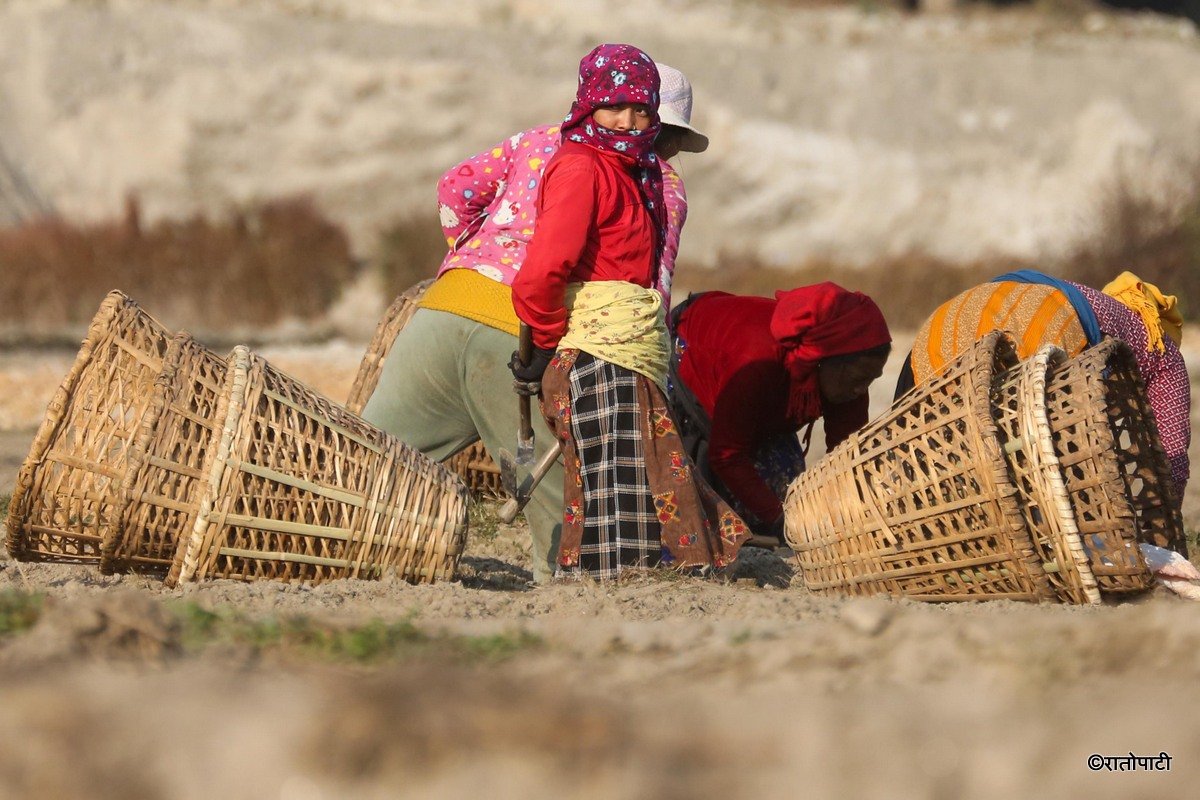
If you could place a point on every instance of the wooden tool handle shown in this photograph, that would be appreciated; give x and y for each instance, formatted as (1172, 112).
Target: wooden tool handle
(508, 512)
(524, 355)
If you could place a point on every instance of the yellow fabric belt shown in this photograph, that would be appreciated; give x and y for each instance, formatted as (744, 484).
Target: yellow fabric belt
(468, 294)
(621, 323)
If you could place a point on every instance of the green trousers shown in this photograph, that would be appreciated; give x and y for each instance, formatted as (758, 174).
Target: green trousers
(445, 384)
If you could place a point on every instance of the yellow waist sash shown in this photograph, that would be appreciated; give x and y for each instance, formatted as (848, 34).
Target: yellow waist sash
(621, 323)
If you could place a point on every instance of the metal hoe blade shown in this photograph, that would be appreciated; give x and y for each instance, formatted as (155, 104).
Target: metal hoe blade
(508, 472)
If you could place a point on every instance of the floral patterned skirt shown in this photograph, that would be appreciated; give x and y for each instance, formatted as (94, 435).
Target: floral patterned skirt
(632, 498)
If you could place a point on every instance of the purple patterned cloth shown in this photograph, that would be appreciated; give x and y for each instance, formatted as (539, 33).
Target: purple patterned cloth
(1165, 374)
(610, 75)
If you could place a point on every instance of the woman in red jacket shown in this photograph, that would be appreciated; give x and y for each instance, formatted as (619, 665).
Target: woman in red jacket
(601, 344)
(749, 372)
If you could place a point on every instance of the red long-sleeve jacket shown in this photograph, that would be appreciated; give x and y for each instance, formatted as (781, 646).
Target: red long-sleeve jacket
(592, 225)
(735, 368)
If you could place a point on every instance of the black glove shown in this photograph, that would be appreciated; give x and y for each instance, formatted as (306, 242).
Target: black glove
(527, 388)
(537, 365)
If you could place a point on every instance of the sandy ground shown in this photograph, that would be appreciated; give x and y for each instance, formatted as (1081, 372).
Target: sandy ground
(658, 687)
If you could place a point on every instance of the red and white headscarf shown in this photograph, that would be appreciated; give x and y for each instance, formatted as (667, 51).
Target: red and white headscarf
(610, 75)
(820, 321)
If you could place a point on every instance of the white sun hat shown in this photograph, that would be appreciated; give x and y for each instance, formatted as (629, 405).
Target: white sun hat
(675, 107)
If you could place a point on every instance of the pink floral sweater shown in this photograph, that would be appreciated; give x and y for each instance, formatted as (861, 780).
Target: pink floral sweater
(487, 203)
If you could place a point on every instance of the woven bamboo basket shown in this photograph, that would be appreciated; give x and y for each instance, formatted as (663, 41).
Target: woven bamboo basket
(473, 465)
(1114, 466)
(68, 491)
(478, 471)
(1019, 406)
(160, 493)
(296, 488)
(919, 502)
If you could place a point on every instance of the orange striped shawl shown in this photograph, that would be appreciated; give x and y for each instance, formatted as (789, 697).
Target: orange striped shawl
(1032, 313)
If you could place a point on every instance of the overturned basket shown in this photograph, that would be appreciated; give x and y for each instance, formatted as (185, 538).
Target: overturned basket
(919, 502)
(1114, 467)
(68, 491)
(1019, 406)
(298, 489)
(477, 469)
(473, 464)
(160, 492)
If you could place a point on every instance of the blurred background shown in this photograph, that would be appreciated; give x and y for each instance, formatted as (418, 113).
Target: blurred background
(266, 171)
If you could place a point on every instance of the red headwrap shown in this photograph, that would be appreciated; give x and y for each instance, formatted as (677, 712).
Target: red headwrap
(816, 322)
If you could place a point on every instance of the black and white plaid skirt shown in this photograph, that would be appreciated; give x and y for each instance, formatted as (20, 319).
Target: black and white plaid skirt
(621, 529)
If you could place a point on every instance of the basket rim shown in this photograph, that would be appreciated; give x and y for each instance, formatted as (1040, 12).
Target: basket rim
(182, 351)
(163, 393)
(990, 356)
(188, 552)
(1096, 360)
(99, 327)
(1034, 429)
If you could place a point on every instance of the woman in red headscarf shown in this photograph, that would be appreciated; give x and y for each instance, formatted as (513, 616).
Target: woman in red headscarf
(631, 496)
(747, 373)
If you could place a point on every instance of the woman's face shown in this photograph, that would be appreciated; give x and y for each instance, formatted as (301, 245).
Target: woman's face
(843, 380)
(624, 117)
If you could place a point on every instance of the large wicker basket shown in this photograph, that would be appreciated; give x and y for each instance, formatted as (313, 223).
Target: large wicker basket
(160, 494)
(478, 471)
(68, 491)
(1019, 406)
(473, 464)
(919, 502)
(299, 489)
(1114, 467)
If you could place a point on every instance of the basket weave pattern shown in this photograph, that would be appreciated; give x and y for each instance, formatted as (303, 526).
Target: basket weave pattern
(919, 502)
(68, 491)
(1114, 467)
(160, 493)
(477, 469)
(1019, 405)
(299, 489)
(473, 465)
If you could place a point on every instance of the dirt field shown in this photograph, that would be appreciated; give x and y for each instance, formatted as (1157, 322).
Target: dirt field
(657, 687)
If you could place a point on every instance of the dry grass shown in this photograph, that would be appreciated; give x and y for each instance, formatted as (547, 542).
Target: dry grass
(256, 268)
(1159, 241)
(907, 289)
(410, 251)
(1157, 238)
(285, 260)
